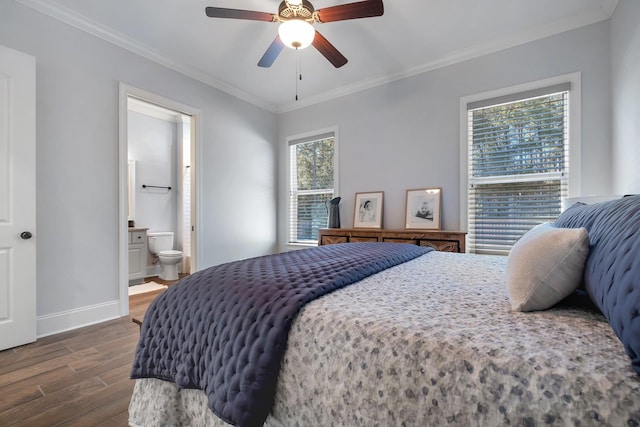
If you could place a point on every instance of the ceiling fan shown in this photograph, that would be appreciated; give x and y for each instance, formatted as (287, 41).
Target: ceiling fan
(296, 31)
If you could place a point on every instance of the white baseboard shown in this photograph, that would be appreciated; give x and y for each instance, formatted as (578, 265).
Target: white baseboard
(77, 318)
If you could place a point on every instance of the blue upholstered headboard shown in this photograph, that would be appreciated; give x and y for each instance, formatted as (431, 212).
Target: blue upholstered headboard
(612, 269)
(567, 202)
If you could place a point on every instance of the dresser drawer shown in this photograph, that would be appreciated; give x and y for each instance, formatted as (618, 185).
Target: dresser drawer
(441, 245)
(332, 240)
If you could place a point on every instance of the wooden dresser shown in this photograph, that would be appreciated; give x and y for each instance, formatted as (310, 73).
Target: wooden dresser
(447, 241)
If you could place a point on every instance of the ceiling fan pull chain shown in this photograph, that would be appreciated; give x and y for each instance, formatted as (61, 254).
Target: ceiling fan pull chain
(298, 70)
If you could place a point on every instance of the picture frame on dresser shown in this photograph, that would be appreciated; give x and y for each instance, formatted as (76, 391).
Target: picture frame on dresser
(368, 210)
(422, 209)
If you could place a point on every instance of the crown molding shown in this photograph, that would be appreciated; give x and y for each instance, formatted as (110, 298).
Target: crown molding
(458, 57)
(56, 11)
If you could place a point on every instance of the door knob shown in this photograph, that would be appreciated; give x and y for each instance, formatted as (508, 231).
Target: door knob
(26, 235)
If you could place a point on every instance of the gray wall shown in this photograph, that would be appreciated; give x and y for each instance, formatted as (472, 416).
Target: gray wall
(625, 70)
(78, 77)
(406, 134)
(153, 144)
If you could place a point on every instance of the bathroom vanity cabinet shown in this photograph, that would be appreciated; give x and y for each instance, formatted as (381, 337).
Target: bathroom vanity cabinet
(137, 255)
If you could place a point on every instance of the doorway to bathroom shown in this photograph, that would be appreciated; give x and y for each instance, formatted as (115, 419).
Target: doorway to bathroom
(158, 185)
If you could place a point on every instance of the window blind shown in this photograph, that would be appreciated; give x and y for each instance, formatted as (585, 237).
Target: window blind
(311, 184)
(518, 158)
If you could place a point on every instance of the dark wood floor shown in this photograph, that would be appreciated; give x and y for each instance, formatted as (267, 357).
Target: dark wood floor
(76, 378)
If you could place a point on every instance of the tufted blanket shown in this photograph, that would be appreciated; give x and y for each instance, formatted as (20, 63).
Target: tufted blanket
(224, 329)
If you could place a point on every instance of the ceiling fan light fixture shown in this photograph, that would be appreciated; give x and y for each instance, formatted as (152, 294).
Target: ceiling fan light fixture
(296, 33)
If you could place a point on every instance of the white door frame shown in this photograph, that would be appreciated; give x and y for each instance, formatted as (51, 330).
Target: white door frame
(123, 156)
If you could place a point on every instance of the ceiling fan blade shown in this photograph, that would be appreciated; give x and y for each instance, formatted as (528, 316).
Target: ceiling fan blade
(272, 53)
(220, 12)
(361, 9)
(328, 50)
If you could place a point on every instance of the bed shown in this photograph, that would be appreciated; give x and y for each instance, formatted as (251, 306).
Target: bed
(435, 339)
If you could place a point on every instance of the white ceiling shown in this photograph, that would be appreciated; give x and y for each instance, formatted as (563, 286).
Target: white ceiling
(411, 37)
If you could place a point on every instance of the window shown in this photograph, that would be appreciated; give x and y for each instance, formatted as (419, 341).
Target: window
(312, 181)
(518, 157)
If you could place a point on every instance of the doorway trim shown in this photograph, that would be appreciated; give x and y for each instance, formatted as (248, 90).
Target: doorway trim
(126, 91)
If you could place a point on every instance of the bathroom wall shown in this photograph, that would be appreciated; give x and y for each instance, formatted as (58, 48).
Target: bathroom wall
(153, 145)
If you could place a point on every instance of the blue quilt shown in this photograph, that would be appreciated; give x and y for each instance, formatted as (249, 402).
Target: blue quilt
(224, 330)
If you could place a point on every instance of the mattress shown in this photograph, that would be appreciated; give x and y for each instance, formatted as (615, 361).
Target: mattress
(432, 341)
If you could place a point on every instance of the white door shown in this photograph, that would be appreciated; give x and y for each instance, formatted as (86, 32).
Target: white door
(17, 198)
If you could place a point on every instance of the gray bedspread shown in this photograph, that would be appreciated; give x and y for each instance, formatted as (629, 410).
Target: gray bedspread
(432, 342)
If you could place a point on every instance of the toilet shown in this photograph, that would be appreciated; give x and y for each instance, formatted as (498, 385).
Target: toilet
(161, 246)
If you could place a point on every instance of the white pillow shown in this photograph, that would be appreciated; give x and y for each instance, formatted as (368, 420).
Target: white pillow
(545, 266)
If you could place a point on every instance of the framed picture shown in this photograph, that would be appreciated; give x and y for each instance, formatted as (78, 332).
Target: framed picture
(423, 209)
(368, 210)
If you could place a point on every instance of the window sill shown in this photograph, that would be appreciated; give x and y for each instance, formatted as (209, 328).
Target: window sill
(295, 245)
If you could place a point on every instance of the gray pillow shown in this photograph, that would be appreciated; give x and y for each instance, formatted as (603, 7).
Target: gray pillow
(545, 266)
